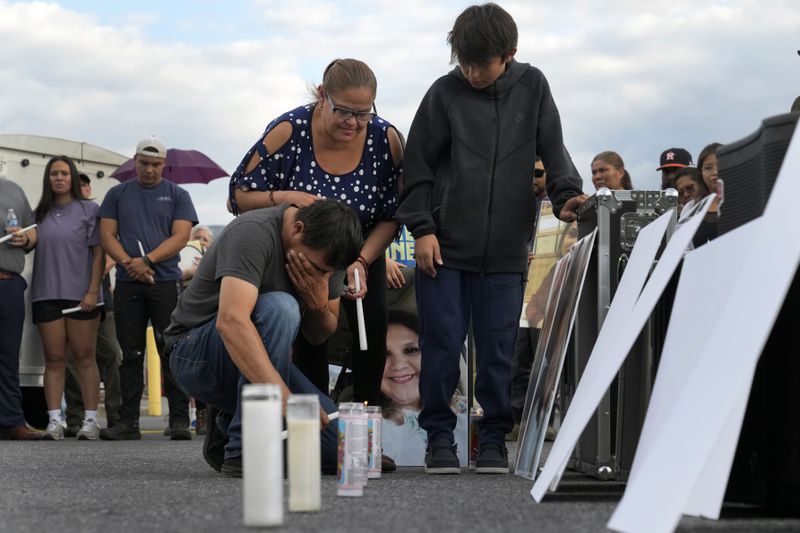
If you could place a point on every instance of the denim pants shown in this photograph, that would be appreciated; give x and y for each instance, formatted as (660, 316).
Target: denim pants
(202, 367)
(446, 304)
(12, 318)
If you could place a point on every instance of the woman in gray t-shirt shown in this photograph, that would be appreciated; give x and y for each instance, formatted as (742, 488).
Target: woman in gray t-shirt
(67, 273)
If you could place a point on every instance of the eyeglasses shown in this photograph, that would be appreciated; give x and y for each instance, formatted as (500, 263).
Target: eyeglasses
(538, 172)
(343, 113)
(689, 189)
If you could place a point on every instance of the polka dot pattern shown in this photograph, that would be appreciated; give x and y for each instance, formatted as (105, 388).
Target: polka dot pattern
(370, 189)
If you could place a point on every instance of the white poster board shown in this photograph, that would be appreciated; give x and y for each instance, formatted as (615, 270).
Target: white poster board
(669, 474)
(627, 314)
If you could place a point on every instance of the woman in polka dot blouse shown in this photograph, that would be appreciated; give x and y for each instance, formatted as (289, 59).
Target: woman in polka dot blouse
(335, 147)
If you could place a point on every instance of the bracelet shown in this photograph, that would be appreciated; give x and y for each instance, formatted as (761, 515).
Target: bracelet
(365, 265)
(148, 262)
(272, 198)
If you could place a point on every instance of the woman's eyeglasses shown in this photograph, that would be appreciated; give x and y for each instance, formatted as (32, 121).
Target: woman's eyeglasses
(538, 172)
(343, 113)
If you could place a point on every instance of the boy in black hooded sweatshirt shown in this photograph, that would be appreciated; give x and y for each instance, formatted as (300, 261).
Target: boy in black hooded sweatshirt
(468, 202)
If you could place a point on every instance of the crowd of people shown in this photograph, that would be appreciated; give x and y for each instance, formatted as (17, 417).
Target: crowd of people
(318, 199)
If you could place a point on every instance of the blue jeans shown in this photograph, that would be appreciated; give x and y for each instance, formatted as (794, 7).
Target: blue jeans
(446, 304)
(202, 367)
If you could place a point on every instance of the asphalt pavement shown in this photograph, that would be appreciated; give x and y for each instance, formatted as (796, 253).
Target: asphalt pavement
(159, 485)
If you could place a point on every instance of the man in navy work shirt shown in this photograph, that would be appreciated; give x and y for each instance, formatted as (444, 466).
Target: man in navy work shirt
(152, 215)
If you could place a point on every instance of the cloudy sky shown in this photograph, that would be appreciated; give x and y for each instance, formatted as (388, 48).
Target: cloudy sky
(631, 76)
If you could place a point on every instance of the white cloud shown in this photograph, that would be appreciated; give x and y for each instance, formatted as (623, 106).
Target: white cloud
(628, 76)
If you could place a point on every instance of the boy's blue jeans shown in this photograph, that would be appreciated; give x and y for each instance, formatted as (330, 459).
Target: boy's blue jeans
(201, 365)
(445, 305)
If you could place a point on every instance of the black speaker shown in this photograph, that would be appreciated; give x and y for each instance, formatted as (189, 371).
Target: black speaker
(748, 169)
(766, 467)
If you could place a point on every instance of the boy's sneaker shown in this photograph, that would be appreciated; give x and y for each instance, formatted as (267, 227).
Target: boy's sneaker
(89, 431)
(492, 459)
(54, 431)
(441, 458)
(121, 431)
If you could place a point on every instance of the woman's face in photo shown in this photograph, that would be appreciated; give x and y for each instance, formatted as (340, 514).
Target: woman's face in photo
(401, 373)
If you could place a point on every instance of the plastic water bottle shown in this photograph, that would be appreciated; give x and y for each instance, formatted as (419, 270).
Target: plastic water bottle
(375, 460)
(352, 467)
(11, 219)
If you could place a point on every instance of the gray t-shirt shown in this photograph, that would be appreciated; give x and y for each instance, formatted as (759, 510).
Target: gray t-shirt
(250, 249)
(62, 267)
(12, 258)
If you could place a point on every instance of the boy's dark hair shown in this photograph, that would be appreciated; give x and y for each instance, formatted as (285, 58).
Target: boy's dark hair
(482, 33)
(333, 228)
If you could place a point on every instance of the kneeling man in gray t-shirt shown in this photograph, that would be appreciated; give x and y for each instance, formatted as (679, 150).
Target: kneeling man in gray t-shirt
(271, 273)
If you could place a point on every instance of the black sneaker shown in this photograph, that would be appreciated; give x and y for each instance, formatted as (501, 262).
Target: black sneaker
(387, 464)
(492, 459)
(441, 458)
(180, 431)
(72, 431)
(214, 442)
(121, 431)
(232, 467)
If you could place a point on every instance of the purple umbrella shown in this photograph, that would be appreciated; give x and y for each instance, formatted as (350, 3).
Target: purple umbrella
(181, 166)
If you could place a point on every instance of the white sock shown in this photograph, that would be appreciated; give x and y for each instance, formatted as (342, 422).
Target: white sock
(55, 415)
(90, 415)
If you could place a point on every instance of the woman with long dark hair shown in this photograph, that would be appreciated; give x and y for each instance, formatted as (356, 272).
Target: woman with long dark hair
(67, 273)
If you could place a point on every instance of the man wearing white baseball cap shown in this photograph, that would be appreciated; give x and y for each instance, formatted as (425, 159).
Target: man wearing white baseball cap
(144, 224)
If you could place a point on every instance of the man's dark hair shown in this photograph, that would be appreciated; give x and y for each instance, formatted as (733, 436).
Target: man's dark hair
(482, 33)
(333, 228)
(85, 179)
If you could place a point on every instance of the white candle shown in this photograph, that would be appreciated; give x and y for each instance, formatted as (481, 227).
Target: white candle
(262, 455)
(362, 328)
(302, 412)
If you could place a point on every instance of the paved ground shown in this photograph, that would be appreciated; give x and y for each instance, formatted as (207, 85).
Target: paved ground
(159, 485)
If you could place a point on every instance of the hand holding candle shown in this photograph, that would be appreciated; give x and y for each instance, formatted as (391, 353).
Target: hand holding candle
(141, 251)
(4, 238)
